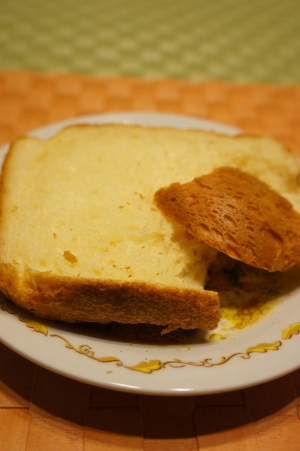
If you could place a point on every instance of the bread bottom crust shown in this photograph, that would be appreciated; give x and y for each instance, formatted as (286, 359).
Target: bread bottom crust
(87, 300)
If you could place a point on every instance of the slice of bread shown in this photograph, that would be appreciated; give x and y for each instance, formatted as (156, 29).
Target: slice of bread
(237, 214)
(81, 238)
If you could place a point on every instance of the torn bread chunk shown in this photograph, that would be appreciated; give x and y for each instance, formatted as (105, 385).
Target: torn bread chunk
(237, 214)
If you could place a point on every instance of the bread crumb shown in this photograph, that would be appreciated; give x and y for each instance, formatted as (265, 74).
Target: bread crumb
(70, 257)
(141, 195)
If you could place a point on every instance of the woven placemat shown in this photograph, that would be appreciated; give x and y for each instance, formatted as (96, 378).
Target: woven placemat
(29, 100)
(233, 40)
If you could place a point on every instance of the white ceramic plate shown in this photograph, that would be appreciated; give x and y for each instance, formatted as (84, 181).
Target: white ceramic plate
(255, 354)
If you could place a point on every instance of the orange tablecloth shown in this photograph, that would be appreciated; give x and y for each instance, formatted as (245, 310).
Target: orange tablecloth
(40, 410)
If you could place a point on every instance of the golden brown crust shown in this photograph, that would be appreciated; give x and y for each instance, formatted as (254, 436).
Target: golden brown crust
(82, 300)
(237, 214)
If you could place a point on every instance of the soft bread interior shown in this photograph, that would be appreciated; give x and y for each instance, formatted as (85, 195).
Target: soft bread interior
(87, 210)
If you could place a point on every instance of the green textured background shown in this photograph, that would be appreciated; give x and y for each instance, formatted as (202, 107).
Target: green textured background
(255, 40)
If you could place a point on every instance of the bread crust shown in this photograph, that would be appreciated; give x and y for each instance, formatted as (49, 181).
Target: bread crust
(238, 215)
(83, 300)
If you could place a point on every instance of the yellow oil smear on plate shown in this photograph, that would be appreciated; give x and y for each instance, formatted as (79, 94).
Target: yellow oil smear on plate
(247, 294)
(240, 313)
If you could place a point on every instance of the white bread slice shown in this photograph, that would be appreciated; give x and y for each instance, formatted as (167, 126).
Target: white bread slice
(81, 238)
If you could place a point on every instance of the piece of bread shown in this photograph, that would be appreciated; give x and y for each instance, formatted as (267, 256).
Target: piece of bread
(81, 239)
(238, 215)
